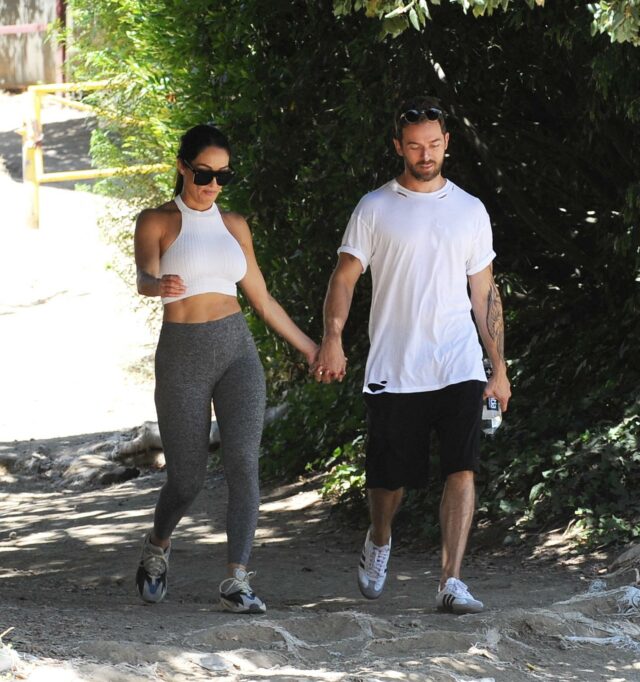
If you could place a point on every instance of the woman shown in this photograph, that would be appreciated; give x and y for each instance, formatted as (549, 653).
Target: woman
(191, 255)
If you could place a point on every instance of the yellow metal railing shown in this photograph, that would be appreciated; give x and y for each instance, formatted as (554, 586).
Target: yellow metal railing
(33, 174)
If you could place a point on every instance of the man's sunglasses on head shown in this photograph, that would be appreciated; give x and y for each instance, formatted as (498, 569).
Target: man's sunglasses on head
(417, 115)
(205, 177)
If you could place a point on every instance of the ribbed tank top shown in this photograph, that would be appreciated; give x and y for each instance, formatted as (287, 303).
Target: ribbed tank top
(205, 254)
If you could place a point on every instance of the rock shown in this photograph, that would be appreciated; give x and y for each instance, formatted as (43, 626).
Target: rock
(213, 662)
(620, 600)
(145, 438)
(8, 462)
(627, 560)
(118, 475)
(596, 586)
(38, 463)
(8, 659)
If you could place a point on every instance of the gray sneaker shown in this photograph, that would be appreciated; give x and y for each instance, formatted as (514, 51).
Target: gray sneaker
(151, 576)
(372, 570)
(237, 596)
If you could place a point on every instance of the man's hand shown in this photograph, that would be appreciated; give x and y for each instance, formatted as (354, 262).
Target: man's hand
(331, 363)
(498, 387)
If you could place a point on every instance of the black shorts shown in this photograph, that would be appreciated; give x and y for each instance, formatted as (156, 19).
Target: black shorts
(399, 433)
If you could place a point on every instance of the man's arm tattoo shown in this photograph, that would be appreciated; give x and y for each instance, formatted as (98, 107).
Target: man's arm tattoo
(495, 322)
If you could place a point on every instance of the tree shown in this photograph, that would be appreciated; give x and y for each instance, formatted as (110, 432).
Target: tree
(544, 116)
(619, 19)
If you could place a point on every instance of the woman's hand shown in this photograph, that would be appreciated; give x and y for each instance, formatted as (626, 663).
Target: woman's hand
(151, 228)
(311, 356)
(171, 285)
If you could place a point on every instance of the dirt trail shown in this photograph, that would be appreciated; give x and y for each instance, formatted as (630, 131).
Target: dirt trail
(69, 546)
(68, 556)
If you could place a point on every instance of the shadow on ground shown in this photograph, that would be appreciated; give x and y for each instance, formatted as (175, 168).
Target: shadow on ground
(65, 146)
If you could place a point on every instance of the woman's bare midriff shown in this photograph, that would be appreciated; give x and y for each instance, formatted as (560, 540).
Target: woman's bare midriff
(201, 308)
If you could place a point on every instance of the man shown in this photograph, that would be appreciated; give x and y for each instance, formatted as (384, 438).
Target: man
(425, 240)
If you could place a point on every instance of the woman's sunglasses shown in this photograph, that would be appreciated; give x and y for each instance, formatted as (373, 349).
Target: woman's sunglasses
(416, 115)
(205, 177)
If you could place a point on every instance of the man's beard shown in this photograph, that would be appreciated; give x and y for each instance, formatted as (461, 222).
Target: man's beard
(423, 176)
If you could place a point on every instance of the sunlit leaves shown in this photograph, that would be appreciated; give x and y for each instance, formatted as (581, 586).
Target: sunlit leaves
(620, 19)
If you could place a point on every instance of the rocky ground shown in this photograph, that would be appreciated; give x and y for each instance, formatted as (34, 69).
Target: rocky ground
(74, 374)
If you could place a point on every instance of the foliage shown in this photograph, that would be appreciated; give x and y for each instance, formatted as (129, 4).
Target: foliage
(319, 410)
(573, 460)
(619, 19)
(544, 121)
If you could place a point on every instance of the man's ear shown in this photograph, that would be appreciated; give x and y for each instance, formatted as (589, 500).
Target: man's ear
(398, 145)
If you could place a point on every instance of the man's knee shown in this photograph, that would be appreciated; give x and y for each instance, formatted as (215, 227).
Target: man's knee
(384, 495)
(466, 477)
(462, 475)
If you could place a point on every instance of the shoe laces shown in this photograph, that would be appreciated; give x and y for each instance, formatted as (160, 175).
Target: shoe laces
(154, 564)
(458, 588)
(239, 583)
(377, 560)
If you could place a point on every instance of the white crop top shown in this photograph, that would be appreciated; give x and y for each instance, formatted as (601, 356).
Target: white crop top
(205, 254)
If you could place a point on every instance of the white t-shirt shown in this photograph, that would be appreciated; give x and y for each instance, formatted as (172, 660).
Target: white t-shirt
(421, 248)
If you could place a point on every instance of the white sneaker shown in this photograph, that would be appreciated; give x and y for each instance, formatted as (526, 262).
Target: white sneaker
(372, 570)
(237, 596)
(455, 597)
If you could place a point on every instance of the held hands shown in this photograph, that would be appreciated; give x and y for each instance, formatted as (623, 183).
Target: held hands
(498, 387)
(331, 363)
(311, 355)
(171, 285)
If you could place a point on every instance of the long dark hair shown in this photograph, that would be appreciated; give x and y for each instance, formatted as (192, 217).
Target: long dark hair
(194, 141)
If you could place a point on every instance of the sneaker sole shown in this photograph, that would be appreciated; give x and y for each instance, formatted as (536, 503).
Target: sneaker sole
(368, 593)
(460, 610)
(232, 607)
(152, 600)
(150, 597)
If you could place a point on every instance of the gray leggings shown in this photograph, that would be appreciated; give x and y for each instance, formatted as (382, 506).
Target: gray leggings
(195, 364)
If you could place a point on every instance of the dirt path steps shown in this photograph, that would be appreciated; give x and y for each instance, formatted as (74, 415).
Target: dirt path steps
(66, 586)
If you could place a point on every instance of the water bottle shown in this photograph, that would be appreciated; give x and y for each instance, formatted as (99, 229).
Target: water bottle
(491, 415)
(491, 411)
